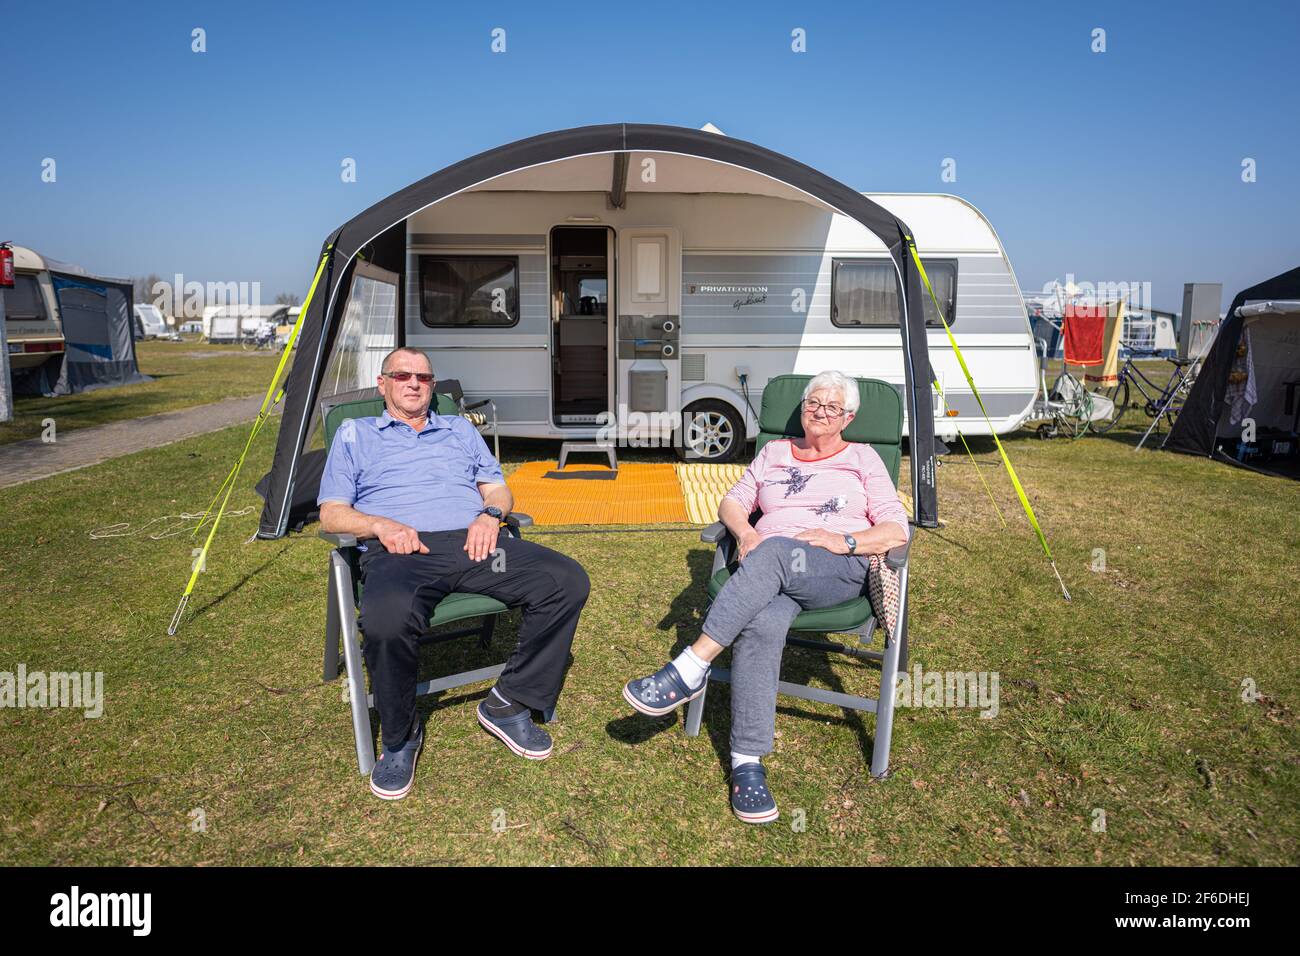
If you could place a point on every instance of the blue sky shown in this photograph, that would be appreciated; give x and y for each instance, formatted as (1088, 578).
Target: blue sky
(224, 166)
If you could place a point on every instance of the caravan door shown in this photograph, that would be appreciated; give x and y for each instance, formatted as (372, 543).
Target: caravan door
(648, 385)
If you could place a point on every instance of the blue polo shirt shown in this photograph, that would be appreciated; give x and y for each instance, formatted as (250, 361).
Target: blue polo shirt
(427, 479)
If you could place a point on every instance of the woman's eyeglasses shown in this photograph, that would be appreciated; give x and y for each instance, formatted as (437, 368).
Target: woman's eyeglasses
(424, 378)
(811, 406)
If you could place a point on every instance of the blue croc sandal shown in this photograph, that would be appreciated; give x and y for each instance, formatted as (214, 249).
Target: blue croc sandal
(394, 771)
(519, 733)
(750, 798)
(662, 692)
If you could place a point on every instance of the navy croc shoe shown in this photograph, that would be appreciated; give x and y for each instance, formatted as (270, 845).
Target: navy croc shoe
(394, 772)
(662, 692)
(519, 733)
(750, 798)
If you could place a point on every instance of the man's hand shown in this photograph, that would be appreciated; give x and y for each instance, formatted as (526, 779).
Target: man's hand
(821, 538)
(398, 538)
(481, 538)
(747, 542)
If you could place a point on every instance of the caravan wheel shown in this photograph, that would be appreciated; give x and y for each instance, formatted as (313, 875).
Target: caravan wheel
(712, 431)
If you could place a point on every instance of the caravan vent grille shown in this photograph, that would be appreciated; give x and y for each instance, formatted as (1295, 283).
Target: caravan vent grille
(693, 368)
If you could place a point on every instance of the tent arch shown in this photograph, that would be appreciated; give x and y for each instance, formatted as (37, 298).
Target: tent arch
(319, 320)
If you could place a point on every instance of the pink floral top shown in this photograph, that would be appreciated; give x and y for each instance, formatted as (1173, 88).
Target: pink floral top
(844, 492)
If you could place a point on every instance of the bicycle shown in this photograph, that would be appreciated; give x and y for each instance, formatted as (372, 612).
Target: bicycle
(1166, 400)
(262, 339)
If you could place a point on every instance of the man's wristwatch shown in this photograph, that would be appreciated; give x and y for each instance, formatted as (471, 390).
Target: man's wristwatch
(852, 542)
(493, 513)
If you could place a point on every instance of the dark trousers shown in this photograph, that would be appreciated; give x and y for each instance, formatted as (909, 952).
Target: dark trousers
(400, 591)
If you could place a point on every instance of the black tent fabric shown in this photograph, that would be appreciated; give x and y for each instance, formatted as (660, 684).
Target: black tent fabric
(381, 228)
(99, 348)
(1195, 431)
(303, 509)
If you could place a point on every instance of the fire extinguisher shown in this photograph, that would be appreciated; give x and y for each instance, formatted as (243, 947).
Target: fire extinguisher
(6, 266)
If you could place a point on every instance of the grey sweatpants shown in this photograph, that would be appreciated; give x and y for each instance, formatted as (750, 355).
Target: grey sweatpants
(752, 614)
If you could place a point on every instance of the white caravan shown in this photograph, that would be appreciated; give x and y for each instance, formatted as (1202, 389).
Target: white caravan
(151, 321)
(508, 288)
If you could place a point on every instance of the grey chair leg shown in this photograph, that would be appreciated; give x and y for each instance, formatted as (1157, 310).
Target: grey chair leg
(548, 715)
(356, 670)
(888, 685)
(695, 713)
(330, 670)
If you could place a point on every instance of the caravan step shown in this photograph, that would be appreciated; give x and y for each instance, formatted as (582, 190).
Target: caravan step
(592, 448)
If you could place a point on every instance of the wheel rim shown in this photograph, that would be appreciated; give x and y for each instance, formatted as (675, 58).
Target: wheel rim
(710, 435)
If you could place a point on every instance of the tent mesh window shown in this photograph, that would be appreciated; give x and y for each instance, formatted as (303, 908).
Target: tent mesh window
(367, 333)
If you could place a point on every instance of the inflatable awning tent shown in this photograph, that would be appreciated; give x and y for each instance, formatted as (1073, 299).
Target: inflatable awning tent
(378, 236)
(1266, 388)
(96, 319)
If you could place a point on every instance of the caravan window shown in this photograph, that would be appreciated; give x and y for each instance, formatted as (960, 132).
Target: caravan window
(864, 292)
(463, 291)
(24, 301)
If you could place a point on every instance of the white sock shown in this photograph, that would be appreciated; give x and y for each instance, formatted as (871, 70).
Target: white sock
(738, 759)
(691, 668)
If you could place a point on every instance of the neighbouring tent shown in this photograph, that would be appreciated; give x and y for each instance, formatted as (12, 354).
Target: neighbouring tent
(1244, 407)
(96, 319)
(99, 349)
(374, 244)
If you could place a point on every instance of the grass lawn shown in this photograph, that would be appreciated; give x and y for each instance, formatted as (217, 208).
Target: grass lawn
(184, 374)
(1127, 701)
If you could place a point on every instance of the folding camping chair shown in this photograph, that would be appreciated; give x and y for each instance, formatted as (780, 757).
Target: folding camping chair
(879, 422)
(450, 389)
(344, 595)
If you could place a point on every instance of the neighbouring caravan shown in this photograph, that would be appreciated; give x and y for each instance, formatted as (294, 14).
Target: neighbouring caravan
(644, 282)
(231, 324)
(151, 322)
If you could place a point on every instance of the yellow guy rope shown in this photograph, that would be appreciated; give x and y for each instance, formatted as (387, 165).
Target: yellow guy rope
(1006, 461)
(272, 399)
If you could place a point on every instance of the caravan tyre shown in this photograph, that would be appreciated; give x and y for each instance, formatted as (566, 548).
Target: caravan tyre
(712, 432)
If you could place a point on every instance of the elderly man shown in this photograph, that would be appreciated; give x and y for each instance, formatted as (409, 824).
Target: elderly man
(425, 499)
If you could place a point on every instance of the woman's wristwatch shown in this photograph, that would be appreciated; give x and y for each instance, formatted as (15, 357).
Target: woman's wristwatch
(852, 542)
(492, 512)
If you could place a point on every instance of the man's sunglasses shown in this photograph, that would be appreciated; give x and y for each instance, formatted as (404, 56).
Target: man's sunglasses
(424, 378)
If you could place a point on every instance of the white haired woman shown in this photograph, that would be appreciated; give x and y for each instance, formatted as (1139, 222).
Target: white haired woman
(827, 505)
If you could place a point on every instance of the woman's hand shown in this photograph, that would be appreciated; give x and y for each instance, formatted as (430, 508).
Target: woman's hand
(821, 538)
(747, 542)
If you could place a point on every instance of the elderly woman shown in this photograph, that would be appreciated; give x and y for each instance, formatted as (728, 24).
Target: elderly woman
(827, 505)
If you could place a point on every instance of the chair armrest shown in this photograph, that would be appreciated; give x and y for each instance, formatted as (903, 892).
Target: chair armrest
(896, 558)
(517, 519)
(714, 533)
(339, 540)
(473, 405)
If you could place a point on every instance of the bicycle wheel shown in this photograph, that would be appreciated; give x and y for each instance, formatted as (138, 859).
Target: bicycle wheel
(1117, 395)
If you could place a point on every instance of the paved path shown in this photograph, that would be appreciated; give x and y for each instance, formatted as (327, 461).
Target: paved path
(33, 459)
